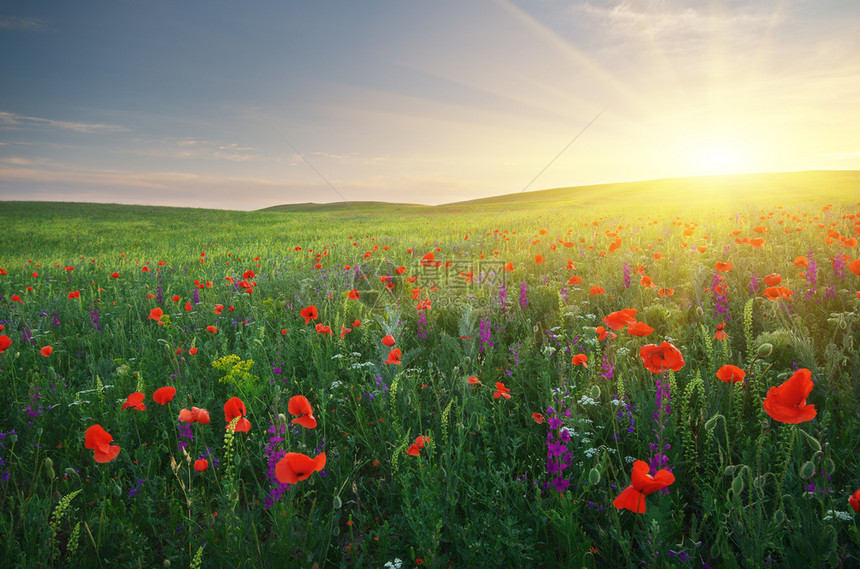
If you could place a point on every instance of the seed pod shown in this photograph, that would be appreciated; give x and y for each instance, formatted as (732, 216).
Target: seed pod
(594, 476)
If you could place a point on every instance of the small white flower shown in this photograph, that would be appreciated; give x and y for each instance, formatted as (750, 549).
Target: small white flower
(337, 356)
(589, 452)
(586, 400)
(630, 459)
(844, 516)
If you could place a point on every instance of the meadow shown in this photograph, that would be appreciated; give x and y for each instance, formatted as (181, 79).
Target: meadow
(472, 385)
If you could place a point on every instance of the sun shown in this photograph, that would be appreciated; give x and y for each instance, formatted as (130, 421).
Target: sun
(717, 155)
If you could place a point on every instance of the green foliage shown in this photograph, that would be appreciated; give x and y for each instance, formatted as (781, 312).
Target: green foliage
(478, 494)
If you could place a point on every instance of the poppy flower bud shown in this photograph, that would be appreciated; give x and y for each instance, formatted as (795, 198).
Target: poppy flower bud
(759, 482)
(593, 476)
(337, 502)
(467, 360)
(738, 485)
(595, 392)
(778, 517)
(829, 467)
(117, 491)
(282, 419)
(699, 311)
(166, 563)
(712, 422)
(729, 470)
(765, 350)
(811, 441)
(807, 470)
(49, 469)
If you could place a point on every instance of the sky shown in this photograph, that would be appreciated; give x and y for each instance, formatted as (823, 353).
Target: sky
(246, 105)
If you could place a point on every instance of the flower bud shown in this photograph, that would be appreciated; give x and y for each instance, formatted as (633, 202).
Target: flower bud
(738, 485)
(807, 470)
(594, 476)
(765, 350)
(595, 392)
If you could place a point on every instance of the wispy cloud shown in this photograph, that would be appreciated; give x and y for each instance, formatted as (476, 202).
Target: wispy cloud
(13, 121)
(192, 148)
(26, 24)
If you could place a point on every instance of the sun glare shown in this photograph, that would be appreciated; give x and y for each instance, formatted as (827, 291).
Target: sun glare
(717, 156)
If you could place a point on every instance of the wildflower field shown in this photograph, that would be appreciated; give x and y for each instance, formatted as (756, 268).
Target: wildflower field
(569, 379)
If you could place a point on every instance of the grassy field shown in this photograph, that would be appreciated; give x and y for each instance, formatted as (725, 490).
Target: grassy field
(483, 378)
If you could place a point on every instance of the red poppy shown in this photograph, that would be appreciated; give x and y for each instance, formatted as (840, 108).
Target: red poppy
(353, 295)
(723, 267)
(601, 333)
(145, 269)
(473, 380)
(188, 307)
(427, 259)
(135, 401)
(192, 351)
(393, 357)
(249, 274)
(5, 343)
(16, 298)
(773, 279)
(421, 440)
(720, 335)
(155, 314)
(731, 374)
(196, 415)
(356, 324)
(509, 267)
(75, 294)
(322, 329)
(618, 320)
(235, 408)
(164, 395)
(854, 501)
(580, 359)
(666, 291)
(299, 405)
(218, 308)
(854, 267)
(539, 259)
(296, 466)
(639, 329)
(114, 275)
(98, 440)
(344, 331)
(46, 351)
(201, 464)
(786, 403)
(596, 290)
(213, 329)
(501, 391)
(388, 340)
(413, 450)
(659, 359)
(539, 419)
(642, 484)
(309, 313)
(574, 280)
(757, 242)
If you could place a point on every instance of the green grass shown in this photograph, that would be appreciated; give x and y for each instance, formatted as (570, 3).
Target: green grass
(748, 492)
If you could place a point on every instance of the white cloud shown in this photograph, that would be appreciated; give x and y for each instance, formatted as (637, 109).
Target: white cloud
(26, 24)
(13, 121)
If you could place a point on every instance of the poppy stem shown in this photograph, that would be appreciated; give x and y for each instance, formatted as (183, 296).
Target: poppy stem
(785, 466)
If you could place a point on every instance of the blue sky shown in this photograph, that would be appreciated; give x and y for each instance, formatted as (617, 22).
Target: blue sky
(252, 104)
